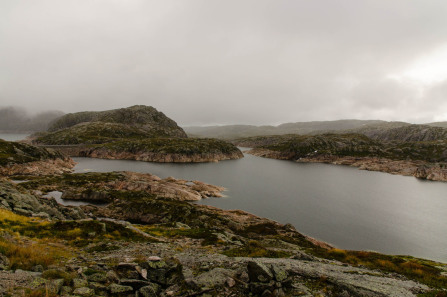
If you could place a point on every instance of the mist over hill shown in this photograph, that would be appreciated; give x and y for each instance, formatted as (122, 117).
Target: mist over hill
(375, 129)
(302, 128)
(17, 119)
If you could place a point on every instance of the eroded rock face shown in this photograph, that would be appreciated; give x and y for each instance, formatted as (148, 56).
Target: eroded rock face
(57, 166)
(160, 157)
(437, 172)
(162, 150)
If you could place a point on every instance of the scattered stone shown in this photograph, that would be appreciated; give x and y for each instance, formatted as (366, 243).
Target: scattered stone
(151, 290)
(258, 272)
(127, 270)
(37, 282)
(4, 262)
(279, 273)
(134, 283)
(112, 277)
(216, 277)
(84, 292)
(154, 259)
(79, 283)
(119, 289)
(230, 282)
(97, 277)
(55, 286)
(37, 268)
(66, 290)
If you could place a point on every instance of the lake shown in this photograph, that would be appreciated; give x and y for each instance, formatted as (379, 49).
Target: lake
(341, 205)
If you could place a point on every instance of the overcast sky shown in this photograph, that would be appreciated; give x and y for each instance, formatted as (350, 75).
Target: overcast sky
(232, 61)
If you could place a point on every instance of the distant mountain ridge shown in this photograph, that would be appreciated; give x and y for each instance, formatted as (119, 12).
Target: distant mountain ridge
(375, 129)
(302, 128)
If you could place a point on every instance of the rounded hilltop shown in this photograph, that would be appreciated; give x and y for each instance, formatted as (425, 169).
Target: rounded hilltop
(137, 133)
(101, 126)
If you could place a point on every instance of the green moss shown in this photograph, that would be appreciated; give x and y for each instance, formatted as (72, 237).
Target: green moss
(261, 229)
(256, 250)
(352, 145)
(102, 247)
(209, 238)
(183, 146)
(423, 271)
(59, 274)
(92, 133)
(78, 233)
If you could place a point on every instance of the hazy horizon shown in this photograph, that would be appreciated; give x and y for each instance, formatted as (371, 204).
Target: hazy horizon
(29, 115)
(254, 62)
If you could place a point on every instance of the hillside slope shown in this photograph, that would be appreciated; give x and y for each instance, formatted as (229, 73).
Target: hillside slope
(133, 133)
(92, 127)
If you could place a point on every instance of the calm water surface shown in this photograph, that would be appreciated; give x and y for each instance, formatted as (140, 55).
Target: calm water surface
(347, 207)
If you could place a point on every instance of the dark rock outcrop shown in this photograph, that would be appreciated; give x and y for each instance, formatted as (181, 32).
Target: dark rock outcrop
(23, 159)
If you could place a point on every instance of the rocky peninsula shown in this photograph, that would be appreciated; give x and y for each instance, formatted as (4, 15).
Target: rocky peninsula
(140, 236)
(422, 159)
(23, 159)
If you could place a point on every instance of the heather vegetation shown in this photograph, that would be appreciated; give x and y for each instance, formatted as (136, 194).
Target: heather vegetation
(353, 145)
(184, 146)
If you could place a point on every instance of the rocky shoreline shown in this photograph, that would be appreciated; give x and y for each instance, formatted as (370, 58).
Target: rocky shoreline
(105, 153)
(419, 169)
(45, 167)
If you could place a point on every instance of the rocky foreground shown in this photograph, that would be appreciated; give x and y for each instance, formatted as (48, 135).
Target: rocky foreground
(143, 244)
(140, 235)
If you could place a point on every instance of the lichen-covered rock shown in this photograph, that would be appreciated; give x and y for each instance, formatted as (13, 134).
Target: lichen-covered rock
(97, 277)
(258, 272)
(119, 289)
(4, 262)
(23, 202)
(151, 290)
(84, 292)
(79, 283)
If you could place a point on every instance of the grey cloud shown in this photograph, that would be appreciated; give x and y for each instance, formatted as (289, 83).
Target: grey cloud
(200, 62)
